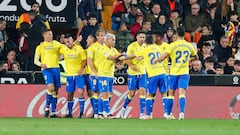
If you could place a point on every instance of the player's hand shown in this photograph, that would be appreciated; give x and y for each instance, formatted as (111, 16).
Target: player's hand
(139, 58)
(154, 62)
(134, 68)
(44, 66)
(96, 74)
(84, 22)
(80, 72)
(79, 38)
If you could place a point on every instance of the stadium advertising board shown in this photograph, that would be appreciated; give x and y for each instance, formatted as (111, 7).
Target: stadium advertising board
(59, 13)
(208, 102)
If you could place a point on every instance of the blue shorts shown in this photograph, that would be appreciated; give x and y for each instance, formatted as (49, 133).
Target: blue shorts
(94, 84)
(159, 81)
(137, 81)
(52, 76)
(74, 82)
(105, 84)
(87, 81)
(179, 81)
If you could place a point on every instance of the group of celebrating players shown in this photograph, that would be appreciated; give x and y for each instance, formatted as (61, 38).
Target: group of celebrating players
(148, 69)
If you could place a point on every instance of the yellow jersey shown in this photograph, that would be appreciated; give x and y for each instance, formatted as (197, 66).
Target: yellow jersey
(107, 67)
(73, 59)
(133, 49)
(48, 52)
(87, 69)
(150, 53)
(92, 52)
(163, 48)
(180, 52)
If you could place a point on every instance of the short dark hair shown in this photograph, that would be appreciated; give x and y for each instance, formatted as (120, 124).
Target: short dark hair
(158, 33)
(67, 36)
(149, 40)
(141, 32)
(47, 30)
(209, 59)
(32, 12)
(35, 3)
(181, 31)
(237, 62)
(2, 20)
(206, 44)
(219, 66)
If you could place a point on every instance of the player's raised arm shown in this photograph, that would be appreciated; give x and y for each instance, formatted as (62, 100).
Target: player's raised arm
(160, 59)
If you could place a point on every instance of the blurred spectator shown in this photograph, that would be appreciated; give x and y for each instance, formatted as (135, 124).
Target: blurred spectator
(229, 67)
(147, 27)
(28, 17)
(193, 23)
(154, 15)
(3, 67)
(162, 24)
(174, 37)
(237, 54)
(176, 20)
(197, 68)
(187, 4)
(136, 26)
(209, 65)
(15, 67)
(39, 24)
(206, 37)
(222, 17)
(172, 5)
(232, 27)
(168, 35)
(211, 11)
(60, 38)
(11, 58)
(120, 67)
(145, 6)
(223, 51)
(123, 37)
(89, 29)
(236, 67)
(236, 40)
(24, 45)
(205, 52)
(86, 8)
(3, 24)
(131, 17)
(209, 5)
(219, 70)
(120, 10)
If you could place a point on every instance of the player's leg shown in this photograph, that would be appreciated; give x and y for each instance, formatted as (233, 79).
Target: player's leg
(95, 97)
(89, 92)
(105, 84)
(81, 100)
(110, 85)
(163, 88)
(70, 88)
(171, 92)
(151, 91)
(132, 86)
(142, 85)
(182, 86)
(50, 86)
(57, 84)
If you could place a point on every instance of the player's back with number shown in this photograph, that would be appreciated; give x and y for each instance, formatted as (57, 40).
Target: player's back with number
(180, 52)
(150, 53)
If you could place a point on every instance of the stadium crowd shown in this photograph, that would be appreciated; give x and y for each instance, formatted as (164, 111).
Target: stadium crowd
(212, 26)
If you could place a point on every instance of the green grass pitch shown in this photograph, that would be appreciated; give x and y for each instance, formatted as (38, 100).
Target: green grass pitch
(43, 126)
